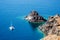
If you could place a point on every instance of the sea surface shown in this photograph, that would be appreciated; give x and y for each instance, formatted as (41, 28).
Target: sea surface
(14, 11)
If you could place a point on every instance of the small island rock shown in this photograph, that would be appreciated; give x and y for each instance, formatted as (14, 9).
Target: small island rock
(34, 17)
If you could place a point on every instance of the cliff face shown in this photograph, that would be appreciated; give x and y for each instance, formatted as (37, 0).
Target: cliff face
(34, 17)
(51, 28)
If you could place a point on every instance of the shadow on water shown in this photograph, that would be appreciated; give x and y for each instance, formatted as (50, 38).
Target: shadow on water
(35, 25)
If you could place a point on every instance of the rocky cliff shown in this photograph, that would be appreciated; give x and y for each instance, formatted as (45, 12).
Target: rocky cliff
(34, 17)
(51, 28)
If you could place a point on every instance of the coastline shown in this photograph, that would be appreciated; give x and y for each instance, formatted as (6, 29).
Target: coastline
(41, 32)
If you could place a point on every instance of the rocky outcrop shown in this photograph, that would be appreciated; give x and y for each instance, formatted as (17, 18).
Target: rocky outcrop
(51, 37)
(34, 17)
(51, 28)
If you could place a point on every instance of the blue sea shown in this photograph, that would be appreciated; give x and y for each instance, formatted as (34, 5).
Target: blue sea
(15, 10)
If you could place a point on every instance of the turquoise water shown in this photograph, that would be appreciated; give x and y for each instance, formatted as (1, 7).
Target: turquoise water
(15, 10)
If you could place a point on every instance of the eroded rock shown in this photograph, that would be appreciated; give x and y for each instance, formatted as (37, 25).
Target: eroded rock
(34, 17)
(51, 28)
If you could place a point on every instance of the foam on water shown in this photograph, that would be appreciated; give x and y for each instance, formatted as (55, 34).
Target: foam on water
(20, 17)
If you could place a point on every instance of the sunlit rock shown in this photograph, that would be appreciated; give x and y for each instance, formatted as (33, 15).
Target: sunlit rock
(51, 37)
(35, 19)
(51, 28)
